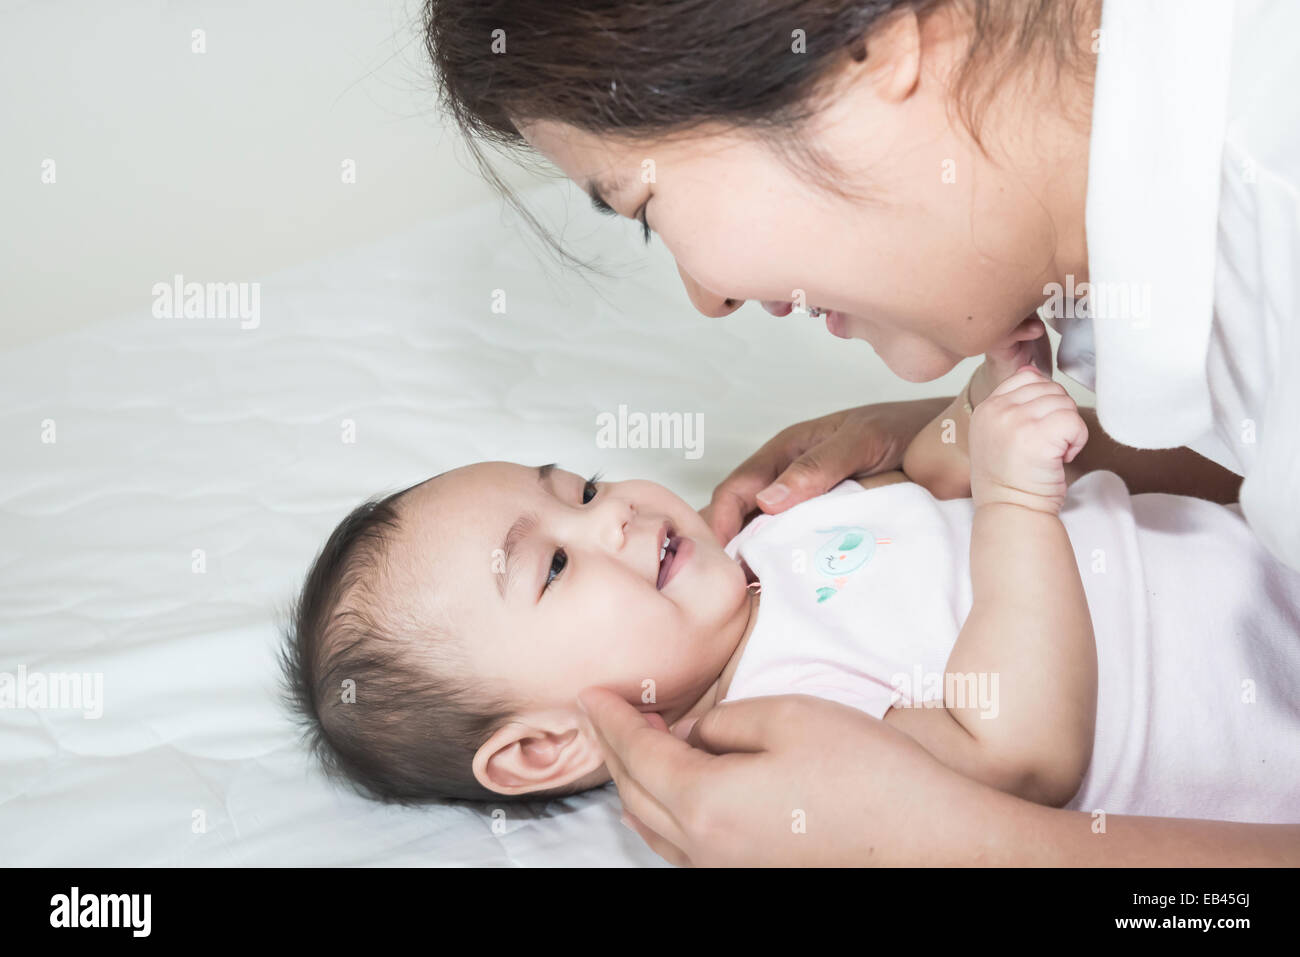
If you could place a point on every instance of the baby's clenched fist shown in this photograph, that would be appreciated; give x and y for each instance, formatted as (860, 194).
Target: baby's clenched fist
(1021, 436)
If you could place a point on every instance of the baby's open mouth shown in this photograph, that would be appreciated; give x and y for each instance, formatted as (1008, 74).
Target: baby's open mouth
(667, 554)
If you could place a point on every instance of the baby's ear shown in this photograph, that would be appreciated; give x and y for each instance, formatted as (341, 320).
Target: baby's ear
(536, 753)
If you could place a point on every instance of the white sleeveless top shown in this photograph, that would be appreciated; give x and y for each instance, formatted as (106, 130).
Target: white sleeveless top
(1197, 629)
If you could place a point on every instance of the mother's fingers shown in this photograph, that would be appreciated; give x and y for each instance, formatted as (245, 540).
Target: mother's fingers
(747, 726)
(737, 495)
(648, 765)
(669, 852)
(732, 501)
(845, 452)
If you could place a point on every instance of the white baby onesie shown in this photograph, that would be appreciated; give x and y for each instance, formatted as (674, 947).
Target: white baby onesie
(1197, 629)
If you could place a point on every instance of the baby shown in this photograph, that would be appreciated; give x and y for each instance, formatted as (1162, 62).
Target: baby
(443, 633)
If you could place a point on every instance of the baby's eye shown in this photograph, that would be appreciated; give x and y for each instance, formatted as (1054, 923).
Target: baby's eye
(558, 561)
(589, 489)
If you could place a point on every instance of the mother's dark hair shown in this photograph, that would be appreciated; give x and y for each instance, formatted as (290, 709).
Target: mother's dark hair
(654, 69)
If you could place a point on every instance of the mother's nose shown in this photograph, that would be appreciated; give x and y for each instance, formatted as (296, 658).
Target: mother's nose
(712, 304)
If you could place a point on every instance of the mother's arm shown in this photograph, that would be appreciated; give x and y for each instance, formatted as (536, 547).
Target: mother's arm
(1177, 471)
(794, 780)
(812, 457)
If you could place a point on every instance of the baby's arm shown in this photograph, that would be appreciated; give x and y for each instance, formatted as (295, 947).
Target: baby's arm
(1029, 628)
(939, 458)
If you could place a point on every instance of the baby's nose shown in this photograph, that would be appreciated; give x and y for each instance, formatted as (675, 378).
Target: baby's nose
(623, 525)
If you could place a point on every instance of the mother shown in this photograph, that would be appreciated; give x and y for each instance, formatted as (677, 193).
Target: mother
(927, 173)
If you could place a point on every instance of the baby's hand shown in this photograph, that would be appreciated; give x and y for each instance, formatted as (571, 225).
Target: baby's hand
(1027, 345)
(1021, 436)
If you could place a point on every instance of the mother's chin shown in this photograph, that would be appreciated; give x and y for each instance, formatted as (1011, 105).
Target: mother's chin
(910, 358)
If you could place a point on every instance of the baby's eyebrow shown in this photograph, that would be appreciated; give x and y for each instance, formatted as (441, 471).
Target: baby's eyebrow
(520, 530)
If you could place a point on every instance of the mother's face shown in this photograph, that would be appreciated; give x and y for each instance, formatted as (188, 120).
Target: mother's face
(949, 253)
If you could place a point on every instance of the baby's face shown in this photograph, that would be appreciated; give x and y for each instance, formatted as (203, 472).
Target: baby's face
(552, 584)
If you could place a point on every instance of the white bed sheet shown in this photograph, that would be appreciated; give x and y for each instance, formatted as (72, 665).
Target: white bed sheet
(173, 435)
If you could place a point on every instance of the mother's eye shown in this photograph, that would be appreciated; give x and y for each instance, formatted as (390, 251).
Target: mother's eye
(645, 223)
(589, 488)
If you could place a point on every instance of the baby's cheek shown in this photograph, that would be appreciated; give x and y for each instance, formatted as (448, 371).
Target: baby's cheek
(656, 639)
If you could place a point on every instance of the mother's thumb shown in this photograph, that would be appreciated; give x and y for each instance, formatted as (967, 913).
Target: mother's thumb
(750, 725)
(804, 478)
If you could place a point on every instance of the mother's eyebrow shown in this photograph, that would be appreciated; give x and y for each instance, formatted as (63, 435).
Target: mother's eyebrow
(518, 532)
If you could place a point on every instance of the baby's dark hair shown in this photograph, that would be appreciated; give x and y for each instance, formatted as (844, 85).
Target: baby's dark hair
(383, 698)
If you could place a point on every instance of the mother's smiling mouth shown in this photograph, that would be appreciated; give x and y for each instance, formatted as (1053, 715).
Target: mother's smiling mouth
(836, 321)
(783, 307)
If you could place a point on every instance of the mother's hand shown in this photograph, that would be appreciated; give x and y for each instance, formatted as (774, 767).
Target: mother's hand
(787, 780)
(810, 458)
(793, 780)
